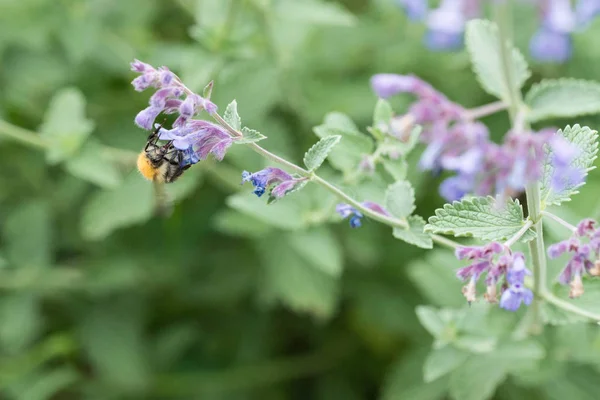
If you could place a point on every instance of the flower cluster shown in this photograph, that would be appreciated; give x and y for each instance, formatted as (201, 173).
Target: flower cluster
(196, 138)
(551, 42)
(584, 246)
(265, 178)
(501, 266)
(458, 143)
(346, 210)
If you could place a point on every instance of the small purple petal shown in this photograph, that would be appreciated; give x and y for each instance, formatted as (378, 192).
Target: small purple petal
(143, 82)
(166, 77)
(159, 98)
(387, 85)
(280, 190)
(139, 66)
(557, 249)
(550, 46)
(375, 207)
(187, 107)
(145, 118)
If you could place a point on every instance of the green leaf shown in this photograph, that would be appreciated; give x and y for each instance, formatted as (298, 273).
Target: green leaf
(480, 217)
(442, 361)
(46, 384)
(287, 214)
(315, 156)
(353, 145)
(297, 283)
(560, 98)
(235, 223)
(27, 233)
(315, 12)
(586, 140)
(396, 168)
(400, 199)
(483, 43)
(112, 338)
(65, 126)
(20, 321)
(250, 136)
(93, 165)
(414, 234)
(383, 112)
(232, 117)
(431, 320)
(320, 248)
(435, 278)
(107, 210)
(477, 378)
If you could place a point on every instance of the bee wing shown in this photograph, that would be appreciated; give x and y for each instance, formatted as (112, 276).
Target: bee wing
(163, 206)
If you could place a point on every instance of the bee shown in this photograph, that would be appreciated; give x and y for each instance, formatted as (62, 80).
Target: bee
(161, 164)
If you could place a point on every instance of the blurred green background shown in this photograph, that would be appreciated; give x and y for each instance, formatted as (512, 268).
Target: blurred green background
(229, 298)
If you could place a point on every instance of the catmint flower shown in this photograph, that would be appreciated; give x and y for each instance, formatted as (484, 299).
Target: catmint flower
(563, 154)
(202, 137)
(586, 11)
(499, 264)
(516, 293)
(550, 46)
(584, 256)
(387, 85)
(269, 176)
(167, 96)
(346, 210)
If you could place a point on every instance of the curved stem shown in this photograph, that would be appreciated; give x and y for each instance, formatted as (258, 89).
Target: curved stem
(22, 135)
(485, 110)
(565, 305)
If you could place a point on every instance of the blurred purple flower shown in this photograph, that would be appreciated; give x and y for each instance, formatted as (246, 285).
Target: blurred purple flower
(586, 11)
(550, 46)
(268, 177)
(416, 10)
(346, 210)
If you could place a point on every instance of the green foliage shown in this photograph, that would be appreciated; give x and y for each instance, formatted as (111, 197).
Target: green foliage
(480, 217)
(400, 199)
(65, 126)
(484, 46)
(584, 139)
(562, 98)
(228, 297)
(232, 117)
(315, 156)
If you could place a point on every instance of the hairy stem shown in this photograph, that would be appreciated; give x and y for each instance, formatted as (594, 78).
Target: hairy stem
(565, 305)
(519, 234)
(485, 110)
(559, 220)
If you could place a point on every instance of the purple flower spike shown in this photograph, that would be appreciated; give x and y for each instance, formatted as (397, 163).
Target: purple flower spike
(387, 85)
(346, 210)
(262, 179)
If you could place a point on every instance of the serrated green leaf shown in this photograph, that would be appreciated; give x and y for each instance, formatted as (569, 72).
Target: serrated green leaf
(483, 43)
(232, 117)
(250, 136)
(586, 140)
(315, 156)
(93, 165)
(65, 126)
(480, 217)
(400, 199)
(353, 145)
(431, 320)
(107, 210)
(414, 234)
(560, 98)
(477, 378)
(383, 112)
(440, 362)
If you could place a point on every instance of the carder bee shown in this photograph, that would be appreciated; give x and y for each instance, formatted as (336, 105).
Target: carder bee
(162, 163)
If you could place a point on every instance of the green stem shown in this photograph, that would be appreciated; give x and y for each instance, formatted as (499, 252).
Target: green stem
(565, 305)
(22, 135)
(519, 234)
(387, 220)
(559, 220)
